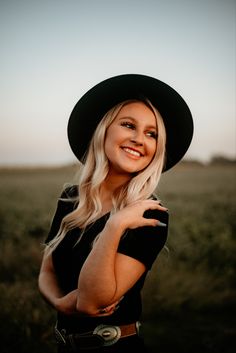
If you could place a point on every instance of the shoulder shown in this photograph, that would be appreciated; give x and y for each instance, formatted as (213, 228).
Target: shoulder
(70, 191)
(65, 204)
(69, 197)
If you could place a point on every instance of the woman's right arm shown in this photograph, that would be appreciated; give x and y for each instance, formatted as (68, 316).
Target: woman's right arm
(50, 290)
(47, 280)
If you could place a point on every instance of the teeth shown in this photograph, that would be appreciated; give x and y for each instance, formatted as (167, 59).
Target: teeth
(134, 153)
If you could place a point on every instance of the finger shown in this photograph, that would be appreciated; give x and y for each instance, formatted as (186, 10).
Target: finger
(156, 205)
(150, 204)
(153, 223)
(102, 311)
(105, 312)
(161, 224)
(108, 308)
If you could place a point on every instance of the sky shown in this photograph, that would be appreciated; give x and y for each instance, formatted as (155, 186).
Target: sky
(53, 51)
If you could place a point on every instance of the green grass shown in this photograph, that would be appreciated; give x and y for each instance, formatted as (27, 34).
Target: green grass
(189, 297)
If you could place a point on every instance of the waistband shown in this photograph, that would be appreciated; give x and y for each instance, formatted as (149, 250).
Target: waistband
(102, 335)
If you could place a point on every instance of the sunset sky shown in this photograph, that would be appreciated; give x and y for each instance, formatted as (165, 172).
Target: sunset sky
(54, 51)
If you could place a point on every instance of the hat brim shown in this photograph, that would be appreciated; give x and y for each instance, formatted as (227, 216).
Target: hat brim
(93, 105)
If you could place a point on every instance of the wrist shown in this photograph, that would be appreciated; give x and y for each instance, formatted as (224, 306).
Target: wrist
(116, 225)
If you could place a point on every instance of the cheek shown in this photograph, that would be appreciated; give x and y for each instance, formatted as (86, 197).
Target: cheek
(109, 147)
(106, 148)
(113, 137)
(152, 149)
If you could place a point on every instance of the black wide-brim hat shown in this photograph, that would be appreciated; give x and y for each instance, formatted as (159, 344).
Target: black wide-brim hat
(93, 105)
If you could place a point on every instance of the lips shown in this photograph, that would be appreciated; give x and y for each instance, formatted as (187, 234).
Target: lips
(132, 151)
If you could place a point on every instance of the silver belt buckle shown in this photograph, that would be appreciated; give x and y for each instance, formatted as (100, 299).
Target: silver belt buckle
(110, 334)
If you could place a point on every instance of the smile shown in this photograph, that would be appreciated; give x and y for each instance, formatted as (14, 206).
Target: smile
(132, 152)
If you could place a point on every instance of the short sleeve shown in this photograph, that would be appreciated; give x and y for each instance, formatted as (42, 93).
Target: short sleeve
(64, 206)
(145, 243)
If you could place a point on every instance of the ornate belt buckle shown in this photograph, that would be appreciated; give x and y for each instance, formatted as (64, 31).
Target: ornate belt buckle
(110, 334)
(59, 336)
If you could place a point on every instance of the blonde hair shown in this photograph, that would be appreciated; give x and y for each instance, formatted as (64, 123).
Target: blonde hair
(95, 169)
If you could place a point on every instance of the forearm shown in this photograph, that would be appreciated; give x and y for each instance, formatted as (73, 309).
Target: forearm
(103, 279)
(49, 288)
(97, 283)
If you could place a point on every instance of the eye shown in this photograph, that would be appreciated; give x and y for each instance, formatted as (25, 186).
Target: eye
(152, 134)
(128, 125)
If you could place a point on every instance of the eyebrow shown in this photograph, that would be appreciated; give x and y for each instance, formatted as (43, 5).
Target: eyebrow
(134, 120)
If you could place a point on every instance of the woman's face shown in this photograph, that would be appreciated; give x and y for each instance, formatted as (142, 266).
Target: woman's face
(131, 139)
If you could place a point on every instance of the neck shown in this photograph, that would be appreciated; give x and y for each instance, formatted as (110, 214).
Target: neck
(113, 181)
(108, 188)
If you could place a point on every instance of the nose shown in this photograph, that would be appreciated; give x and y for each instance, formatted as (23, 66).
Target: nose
(137, 137)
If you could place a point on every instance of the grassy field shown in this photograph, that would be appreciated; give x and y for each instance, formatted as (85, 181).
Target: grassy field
(189, 297)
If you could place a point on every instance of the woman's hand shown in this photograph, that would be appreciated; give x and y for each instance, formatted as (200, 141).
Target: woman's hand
(132, 215)
(110, 309)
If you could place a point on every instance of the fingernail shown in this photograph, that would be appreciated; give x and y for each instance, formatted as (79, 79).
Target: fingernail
(161, 224)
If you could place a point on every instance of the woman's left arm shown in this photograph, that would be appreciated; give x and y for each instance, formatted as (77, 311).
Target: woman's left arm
(107, 275)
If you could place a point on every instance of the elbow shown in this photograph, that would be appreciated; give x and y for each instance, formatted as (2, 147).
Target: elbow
(85, 308)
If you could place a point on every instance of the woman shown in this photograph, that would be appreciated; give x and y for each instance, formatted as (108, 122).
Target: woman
(109, 228)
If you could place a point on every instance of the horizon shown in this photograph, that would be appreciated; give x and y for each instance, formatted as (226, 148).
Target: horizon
(215, 159)
(53, 52)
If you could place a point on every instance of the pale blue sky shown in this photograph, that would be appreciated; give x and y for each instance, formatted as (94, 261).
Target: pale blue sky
(53, 51)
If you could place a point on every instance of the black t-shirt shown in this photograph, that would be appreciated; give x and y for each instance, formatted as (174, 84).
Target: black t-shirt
(143, 244)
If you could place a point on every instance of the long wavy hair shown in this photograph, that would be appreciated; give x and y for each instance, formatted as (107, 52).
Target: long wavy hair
(87, 205)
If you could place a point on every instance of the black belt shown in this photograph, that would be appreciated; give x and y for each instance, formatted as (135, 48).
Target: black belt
(102, 335)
